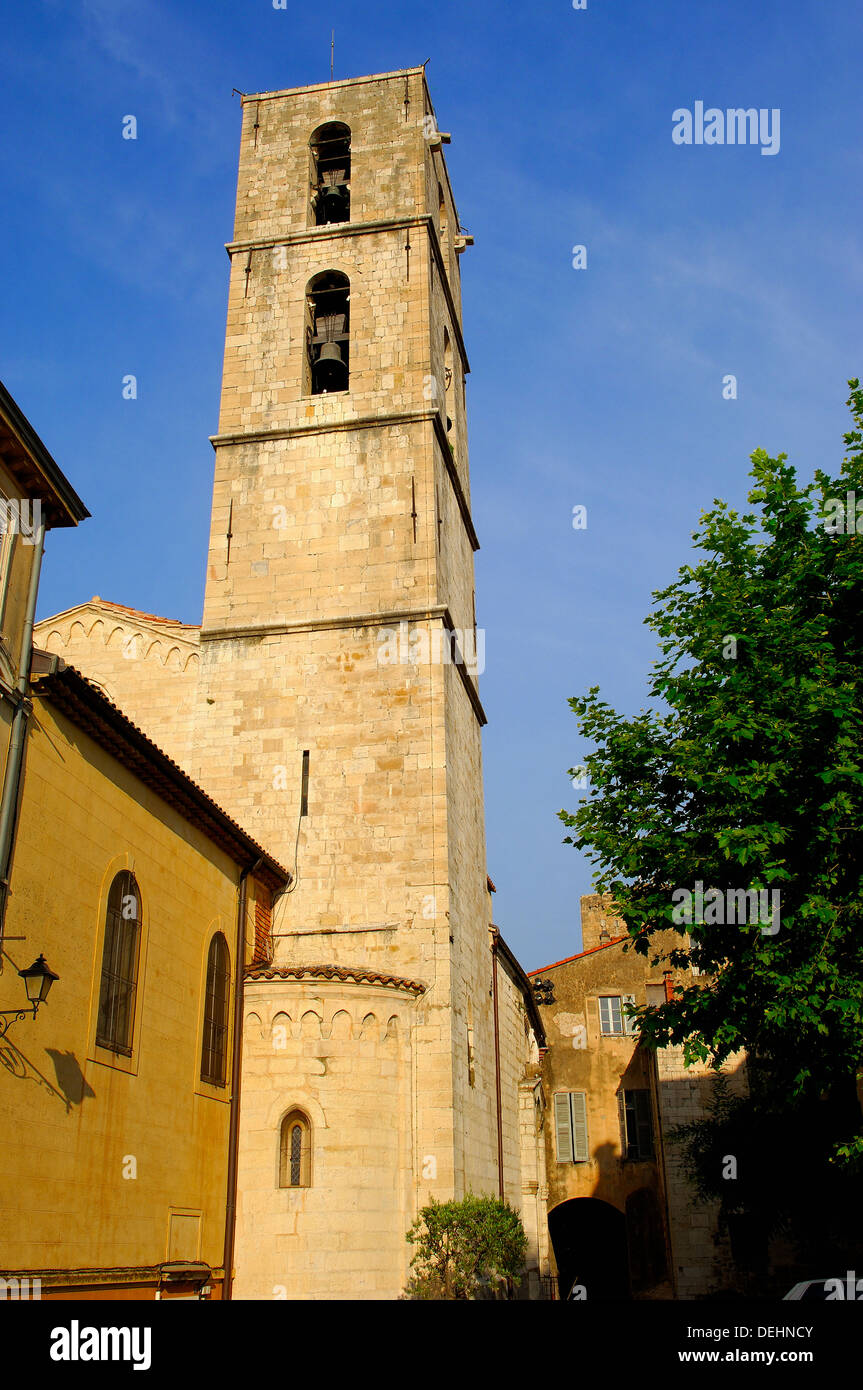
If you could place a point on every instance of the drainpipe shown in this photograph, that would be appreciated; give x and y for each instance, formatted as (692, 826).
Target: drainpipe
(236, 1078)
(494, 936)
(18, 737)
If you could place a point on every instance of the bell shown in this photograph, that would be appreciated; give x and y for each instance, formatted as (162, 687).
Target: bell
(333, 203)
(329, 373)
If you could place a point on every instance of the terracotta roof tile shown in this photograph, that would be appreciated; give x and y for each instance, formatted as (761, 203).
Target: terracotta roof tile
(615, 940)
(334, 972)
(137, 613)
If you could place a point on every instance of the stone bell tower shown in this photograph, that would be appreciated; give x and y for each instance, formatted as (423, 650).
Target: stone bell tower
(339, 717)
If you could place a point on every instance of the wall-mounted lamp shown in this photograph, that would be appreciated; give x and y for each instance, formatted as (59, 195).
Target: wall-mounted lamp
(543, 992)
(38, 979)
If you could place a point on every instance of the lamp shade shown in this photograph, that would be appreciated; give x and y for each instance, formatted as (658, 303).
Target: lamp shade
(38, 979)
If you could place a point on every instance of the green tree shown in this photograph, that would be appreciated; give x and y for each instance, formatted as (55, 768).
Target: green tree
(461, 1247)
(746, 773)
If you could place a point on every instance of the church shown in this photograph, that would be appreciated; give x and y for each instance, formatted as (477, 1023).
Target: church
(392, 1044)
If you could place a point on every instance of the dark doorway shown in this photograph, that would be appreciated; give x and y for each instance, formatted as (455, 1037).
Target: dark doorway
(589, 1241)
(647, 1262)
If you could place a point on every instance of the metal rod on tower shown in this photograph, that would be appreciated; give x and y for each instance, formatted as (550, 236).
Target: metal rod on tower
(332, 54)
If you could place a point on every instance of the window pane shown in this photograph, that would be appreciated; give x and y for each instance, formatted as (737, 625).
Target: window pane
(117, 988)
(214, 1047)
(610, 1015)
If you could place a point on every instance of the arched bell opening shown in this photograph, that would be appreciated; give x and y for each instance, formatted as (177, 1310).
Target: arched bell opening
(330, 148)
(328, 333)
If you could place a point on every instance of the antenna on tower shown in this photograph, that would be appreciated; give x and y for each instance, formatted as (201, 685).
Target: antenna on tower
(332, 54)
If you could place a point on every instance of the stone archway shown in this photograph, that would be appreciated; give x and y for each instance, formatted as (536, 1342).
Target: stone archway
(590, 1247)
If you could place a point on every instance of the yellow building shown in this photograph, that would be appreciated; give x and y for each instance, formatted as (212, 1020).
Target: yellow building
(622, 1217)
(118, 1093)
(116, 1098)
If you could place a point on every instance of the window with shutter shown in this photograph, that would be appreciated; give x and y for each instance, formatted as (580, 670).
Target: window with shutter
(578, 1102)
(570, 1124)
(563, 1127)
(638, 1124)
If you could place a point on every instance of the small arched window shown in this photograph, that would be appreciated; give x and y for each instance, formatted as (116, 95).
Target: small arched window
(328, 314)
(214, 1048)
(331, 174)
(295, 1151)
(119, 981)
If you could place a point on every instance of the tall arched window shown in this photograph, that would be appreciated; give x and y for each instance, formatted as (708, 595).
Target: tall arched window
(214, 1049)
(328, 333)
(118, 986)
(331, 173)
(295, 1151)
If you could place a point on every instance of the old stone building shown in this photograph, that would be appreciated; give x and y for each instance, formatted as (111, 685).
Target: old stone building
(329, 700)
(622, 1215)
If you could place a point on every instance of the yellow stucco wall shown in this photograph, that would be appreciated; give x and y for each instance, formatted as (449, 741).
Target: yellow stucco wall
(77, 1121)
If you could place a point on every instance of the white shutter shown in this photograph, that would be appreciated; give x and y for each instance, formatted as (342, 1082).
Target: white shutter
(581, 1153)
(630, 1024)
(563, 1127)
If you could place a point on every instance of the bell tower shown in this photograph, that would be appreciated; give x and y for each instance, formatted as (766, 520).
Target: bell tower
(339, 715)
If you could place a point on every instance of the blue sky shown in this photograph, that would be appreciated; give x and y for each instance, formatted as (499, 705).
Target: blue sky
(600, 387)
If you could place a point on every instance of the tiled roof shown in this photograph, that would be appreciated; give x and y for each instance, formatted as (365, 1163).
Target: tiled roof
(615, 940)
(334, 972)
(85, 704)
(137, 613)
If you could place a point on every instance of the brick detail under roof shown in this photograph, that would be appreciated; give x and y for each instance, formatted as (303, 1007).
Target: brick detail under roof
(263, 951)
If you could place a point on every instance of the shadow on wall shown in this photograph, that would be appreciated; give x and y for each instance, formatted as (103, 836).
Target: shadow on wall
(72, 1086)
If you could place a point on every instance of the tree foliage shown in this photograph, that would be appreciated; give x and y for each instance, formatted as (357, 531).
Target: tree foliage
(463, 1247)
(746, 772)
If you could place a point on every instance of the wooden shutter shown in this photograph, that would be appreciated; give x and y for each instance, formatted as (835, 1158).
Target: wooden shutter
(563, 1127)
(578, 1100)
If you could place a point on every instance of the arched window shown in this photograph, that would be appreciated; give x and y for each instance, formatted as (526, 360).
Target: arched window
(295, 1151)
(214, 1049)
(328, 333)
(118, 986)
(331, 174)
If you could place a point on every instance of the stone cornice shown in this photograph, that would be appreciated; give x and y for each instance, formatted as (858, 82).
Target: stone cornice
(380, 619)
(355, 422)
(336, 231)
(366, 422)
(338, 974)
